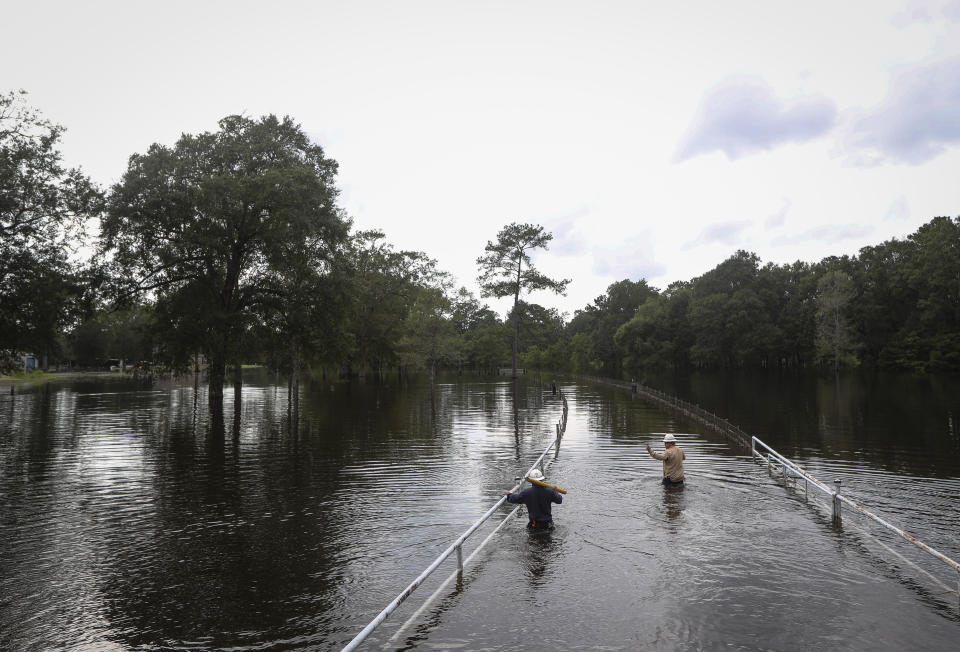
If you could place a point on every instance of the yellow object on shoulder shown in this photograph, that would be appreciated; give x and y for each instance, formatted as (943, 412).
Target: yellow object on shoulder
(547, 485)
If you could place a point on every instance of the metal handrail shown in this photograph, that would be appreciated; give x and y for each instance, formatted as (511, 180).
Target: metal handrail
(838, 498)
(457, 545)
(455, 574)
(789, 464)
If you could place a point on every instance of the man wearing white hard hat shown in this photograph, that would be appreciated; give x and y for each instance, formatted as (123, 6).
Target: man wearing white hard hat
(537, 498)
(672, 460)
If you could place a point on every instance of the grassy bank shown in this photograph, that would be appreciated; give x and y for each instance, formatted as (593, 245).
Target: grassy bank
(44, 376)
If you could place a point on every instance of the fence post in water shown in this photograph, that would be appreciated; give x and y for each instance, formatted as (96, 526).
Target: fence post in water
(460, 559)
(753, 448)
(837, 520)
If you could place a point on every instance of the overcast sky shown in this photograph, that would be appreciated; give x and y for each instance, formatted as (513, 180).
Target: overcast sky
(652, 139)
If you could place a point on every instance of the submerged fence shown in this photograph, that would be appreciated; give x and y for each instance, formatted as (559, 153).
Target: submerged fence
(778, 464)
(541, 463)
(718, 423)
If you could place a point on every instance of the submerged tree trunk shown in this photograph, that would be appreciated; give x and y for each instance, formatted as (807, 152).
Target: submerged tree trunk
(237, 381)
(216, 372)
(295, 376)
(237, 402)
(516, 324)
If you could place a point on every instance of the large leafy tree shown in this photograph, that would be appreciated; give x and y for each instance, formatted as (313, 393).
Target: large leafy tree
(507, 270)
(429, 331)
(605, 316)
(303, 310)
(835, 338)
(43, 208)
(483, 342)
(937, 273)
(207, 226)
(383, 285)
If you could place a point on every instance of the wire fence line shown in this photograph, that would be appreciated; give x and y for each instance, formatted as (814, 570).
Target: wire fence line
(691, 410)
(456, 547)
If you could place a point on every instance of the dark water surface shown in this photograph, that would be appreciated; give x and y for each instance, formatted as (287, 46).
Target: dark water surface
(133, 519)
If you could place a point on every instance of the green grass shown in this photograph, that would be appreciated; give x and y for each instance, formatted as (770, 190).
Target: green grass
(22, 377)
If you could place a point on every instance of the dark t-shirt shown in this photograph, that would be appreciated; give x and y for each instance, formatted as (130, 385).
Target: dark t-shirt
(537, 499)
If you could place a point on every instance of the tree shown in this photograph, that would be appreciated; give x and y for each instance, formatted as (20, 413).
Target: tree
(473, 321)
(606, 315)
(502, 271)
(303, 311)
(429, 335)
(43, 208)
(124, 334)
(835, 340)
(580, 360)
(539, 326)
(383, 284)
(937, 269)
(205, 227)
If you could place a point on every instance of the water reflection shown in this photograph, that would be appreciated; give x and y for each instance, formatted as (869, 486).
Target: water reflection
(674, 502)
(541, 548)
(136, 517)
(901, 423)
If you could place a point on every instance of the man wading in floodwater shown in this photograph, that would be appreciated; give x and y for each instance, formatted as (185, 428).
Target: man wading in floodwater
(672, 461)
(537, 498)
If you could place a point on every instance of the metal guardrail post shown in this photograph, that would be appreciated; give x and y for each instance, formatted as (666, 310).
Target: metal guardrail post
(837, 518)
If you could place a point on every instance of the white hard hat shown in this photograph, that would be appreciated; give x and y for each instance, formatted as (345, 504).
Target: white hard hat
(535, 475)
(669, 439)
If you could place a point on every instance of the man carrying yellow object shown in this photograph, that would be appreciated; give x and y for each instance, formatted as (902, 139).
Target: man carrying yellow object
(672, 461)
(537, 499)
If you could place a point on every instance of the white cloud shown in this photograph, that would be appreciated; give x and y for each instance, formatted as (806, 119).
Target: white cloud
(726, 233)
(743, 116)
(952, 11)
(927, 11)
(632, 258)
(918, 120)
(899, 210)
(777, 219)
(833, 233)
(569, 238)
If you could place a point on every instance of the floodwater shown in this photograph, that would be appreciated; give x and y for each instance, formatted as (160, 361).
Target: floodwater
(133, 519)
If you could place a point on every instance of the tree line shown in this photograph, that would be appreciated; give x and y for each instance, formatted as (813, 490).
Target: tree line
(894, 306)
(231, 244)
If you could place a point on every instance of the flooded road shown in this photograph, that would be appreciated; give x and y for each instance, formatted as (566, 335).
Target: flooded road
(133, 519)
